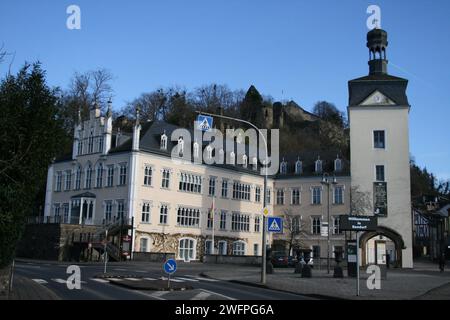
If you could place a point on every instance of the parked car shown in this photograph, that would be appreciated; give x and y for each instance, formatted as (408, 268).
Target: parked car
(280, 259)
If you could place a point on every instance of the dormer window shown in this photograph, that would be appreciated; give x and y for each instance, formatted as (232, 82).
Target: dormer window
(244, 161)
(232, 158)
(298, 167)
(180, 146)
(164, 142)
(209, 152)
(318, 166)
(338, 165)
(221, 160)
(196, 149)
(283, 167)
(255, 163)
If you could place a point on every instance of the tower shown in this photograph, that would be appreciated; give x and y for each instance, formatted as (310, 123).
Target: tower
(378, 113)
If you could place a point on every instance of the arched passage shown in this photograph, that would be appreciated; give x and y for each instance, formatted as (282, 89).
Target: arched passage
(384, 232)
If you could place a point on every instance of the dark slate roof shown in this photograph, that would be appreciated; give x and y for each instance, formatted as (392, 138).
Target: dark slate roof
(150, 139)
(392, 87)
(85, 195)
(308, 160)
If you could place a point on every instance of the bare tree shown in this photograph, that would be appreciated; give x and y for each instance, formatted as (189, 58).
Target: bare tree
(2, 53)
(150, 104)
(101, 85)
(294, 228)
(360, 201)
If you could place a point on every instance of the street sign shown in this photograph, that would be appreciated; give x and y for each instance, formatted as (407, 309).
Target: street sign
(275, 224)
(358, 223)
(170, 266)
(266, 211)
(204, 123)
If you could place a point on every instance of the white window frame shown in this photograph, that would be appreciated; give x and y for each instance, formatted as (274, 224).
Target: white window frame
(146, 209)
(239, 251)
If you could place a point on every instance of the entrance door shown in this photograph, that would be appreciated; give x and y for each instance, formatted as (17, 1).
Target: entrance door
(187, 249)
(380, 252)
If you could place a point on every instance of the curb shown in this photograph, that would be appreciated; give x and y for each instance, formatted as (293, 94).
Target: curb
(262, 286)
(160, 286)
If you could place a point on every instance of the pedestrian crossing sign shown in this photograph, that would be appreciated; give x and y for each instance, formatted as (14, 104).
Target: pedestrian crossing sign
(204, 123)
(275, 225)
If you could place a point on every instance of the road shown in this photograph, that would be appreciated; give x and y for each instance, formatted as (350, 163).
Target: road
(53, 276)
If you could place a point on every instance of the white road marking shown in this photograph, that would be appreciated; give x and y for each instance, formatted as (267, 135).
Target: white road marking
(65, 281)
(40, 281)
(201, 296)
(117, 269)
(133, 279)
(140, 271)
(151, 279)
(176, 280)
(218, 294)
(59, 280)
(187, 279)
(159, 293)
(100, 280)
(116, 279)
(207, 279)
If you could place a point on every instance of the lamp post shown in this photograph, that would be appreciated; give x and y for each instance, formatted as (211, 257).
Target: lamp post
(326, 181)
(263, 264)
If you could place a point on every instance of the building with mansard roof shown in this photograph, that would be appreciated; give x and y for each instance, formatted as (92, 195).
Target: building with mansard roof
(130, 185)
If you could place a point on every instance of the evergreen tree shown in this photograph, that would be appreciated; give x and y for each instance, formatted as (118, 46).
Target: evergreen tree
(31, 134)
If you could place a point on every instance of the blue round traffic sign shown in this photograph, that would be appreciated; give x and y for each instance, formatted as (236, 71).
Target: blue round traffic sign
(170, 266)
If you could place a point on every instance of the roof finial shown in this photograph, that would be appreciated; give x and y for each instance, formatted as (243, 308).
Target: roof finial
(109, 112)
(79, 115)
(137, 114)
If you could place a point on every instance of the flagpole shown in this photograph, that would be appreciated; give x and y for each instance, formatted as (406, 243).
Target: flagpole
(213, 213)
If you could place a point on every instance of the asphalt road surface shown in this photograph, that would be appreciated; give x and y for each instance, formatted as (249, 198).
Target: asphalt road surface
(54, 275)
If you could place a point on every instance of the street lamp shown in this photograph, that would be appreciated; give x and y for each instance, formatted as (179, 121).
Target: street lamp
(326, 181)
(263, 262)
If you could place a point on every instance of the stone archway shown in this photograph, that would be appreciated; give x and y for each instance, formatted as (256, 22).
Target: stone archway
(388, 233)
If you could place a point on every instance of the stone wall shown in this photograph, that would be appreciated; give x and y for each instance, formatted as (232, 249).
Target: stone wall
(241, 260)
(53, 241)
(152, 256)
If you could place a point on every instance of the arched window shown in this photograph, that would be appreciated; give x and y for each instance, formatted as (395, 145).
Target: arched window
(78, 178)
(221, 160)
(143, 245)
(239, 248)
(164, 141)
(283, 167)
(338, 165)
(298, 167)
(180, 146)
(232, 158)
(244, 161)
(209, 152)
(318, 166)
(196, 149)
(91, 143)
(99, 182)
(88, 180)
(255, 163)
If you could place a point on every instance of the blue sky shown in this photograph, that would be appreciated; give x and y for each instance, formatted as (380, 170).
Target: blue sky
(301, 50)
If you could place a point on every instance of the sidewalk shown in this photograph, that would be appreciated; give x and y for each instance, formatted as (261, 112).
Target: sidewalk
(27, 289)
(399, 285)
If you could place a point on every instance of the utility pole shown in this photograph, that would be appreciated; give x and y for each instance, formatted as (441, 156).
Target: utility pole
(263, 262)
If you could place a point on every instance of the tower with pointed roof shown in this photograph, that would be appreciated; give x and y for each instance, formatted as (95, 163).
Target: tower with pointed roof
(378, 114)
